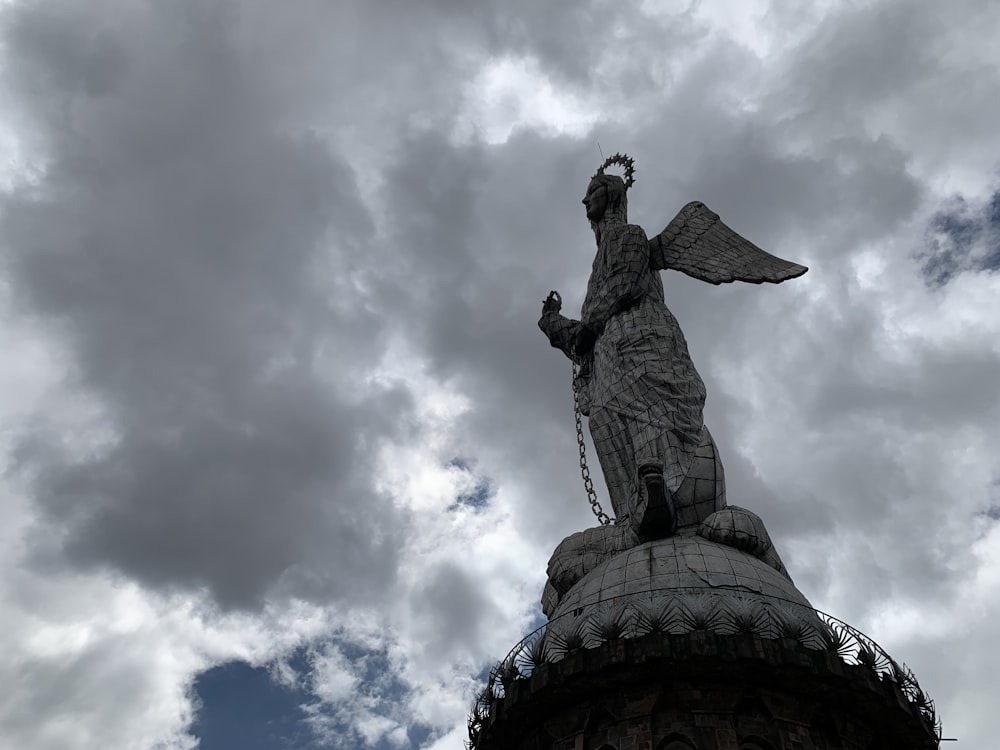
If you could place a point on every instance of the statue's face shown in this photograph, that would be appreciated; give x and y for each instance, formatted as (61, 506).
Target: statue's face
(596, 200)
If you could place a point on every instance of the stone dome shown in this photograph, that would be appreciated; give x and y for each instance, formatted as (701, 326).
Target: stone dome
(692, 576)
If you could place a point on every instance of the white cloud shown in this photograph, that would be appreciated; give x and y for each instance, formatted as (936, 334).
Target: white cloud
(509, 93)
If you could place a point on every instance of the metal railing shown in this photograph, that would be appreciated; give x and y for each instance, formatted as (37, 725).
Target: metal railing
(678, 611)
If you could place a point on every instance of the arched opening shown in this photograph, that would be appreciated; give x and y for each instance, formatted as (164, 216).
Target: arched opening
(676, 741)
(755, 743)
(753, 720)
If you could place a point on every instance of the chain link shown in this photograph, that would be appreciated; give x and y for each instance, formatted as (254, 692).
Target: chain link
(603, 518)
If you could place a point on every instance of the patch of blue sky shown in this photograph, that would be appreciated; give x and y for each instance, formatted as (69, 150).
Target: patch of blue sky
(245, 708)
(963, 238)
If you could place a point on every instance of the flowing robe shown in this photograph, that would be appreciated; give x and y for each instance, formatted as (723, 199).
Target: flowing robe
(638, 384)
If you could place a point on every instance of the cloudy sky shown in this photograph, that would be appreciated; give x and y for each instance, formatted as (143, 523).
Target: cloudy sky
(284, 453)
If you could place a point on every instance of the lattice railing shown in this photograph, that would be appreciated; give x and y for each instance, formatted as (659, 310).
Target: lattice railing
(679, 611)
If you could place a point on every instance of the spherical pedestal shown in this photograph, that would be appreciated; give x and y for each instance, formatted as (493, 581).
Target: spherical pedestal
(685, 568)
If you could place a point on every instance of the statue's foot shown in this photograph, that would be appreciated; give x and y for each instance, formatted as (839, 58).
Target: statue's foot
(658, 520)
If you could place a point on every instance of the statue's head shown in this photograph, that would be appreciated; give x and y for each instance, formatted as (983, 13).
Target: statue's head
(606, 193)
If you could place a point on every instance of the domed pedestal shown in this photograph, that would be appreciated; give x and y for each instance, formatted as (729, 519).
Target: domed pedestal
(681, 569)
(686, 644)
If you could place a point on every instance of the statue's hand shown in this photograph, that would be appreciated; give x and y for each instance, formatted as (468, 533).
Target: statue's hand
(552, 303)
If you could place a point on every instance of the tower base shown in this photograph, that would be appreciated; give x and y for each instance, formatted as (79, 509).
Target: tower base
(704, 691)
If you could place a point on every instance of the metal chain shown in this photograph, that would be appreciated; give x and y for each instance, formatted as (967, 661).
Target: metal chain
(603, 518)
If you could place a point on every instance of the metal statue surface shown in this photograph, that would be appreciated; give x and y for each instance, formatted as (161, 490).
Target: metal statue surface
(635, 378)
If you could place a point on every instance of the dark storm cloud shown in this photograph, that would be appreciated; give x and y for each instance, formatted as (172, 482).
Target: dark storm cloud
(196, 257)
(452, 610)
(899, 68)
(596, 45)
(865, 53)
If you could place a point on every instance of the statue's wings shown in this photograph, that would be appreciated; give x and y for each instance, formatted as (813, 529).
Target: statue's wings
(699, 244)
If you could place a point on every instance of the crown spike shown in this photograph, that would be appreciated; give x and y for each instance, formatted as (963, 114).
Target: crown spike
(624, 160)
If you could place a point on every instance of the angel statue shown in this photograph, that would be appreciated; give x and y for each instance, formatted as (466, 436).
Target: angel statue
(634, 378)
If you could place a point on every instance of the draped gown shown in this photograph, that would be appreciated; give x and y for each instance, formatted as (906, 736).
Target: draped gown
(638, 385)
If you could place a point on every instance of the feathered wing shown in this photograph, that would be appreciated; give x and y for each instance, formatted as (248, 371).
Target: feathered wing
(697, 243)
